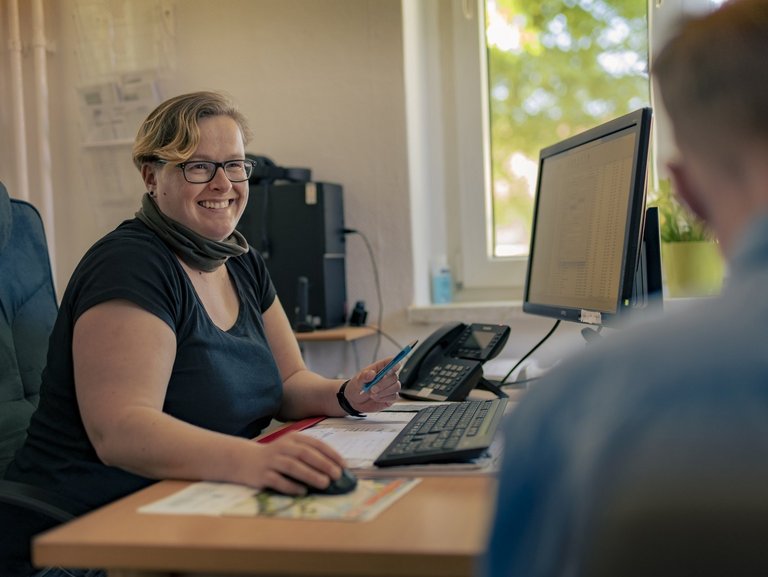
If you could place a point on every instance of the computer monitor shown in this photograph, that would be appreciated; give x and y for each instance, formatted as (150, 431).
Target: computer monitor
(588, 224)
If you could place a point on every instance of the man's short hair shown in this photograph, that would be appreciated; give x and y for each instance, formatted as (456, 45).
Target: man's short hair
(713, 76)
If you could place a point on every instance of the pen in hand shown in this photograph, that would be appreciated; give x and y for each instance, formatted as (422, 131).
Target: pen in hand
(398, 357)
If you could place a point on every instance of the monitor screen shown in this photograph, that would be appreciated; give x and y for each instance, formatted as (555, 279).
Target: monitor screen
(588, 222)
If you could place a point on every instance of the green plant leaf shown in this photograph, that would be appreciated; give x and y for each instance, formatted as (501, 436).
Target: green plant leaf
(677, 223)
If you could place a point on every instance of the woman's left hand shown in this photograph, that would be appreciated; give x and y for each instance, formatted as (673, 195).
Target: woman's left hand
(382, 395)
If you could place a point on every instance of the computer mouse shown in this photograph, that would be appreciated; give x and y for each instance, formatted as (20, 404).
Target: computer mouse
(344, 484)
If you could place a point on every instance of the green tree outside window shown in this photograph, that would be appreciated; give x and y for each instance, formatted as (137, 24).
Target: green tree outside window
(555, 68)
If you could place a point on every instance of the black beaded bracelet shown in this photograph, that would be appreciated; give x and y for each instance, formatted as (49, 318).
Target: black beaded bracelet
(344, 402)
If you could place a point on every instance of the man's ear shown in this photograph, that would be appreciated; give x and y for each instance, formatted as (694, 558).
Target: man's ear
(685, 191)
(149, 176)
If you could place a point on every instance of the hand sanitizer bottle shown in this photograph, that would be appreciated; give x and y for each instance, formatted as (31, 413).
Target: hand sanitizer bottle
(442, 281)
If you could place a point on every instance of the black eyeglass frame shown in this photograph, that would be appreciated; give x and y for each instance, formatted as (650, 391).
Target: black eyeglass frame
(247, 163)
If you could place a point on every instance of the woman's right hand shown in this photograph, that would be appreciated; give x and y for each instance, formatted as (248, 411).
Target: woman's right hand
(290, 458)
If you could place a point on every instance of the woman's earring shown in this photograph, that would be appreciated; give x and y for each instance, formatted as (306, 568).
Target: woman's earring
(151, 193)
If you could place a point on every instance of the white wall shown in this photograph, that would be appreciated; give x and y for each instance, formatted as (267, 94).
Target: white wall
(322, 84)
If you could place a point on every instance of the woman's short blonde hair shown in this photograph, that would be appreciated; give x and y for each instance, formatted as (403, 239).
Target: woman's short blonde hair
(171, 132)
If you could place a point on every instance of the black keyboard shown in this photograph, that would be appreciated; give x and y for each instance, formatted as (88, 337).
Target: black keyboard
(445, 433)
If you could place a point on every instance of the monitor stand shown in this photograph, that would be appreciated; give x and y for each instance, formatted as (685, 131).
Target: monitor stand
(591, 335)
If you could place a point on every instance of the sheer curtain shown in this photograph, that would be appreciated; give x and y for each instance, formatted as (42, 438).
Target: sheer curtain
(25, 103)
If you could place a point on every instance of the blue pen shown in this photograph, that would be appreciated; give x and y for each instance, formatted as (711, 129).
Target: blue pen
(398, 357)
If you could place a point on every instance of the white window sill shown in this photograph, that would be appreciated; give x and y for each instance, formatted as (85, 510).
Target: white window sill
(503, 311)
(477, 312)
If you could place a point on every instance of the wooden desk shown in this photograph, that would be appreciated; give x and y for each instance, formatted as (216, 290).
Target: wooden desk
(438, 528)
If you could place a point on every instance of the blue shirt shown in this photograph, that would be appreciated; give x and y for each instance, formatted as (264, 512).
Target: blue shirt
(682, 386)
(224, 381)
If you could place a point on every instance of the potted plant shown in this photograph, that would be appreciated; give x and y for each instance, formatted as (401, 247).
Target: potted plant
(691, 261)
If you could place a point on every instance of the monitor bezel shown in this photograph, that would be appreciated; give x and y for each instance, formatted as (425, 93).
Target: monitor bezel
(638, 121)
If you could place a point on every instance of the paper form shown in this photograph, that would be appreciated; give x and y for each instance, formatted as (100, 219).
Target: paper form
(360, 441)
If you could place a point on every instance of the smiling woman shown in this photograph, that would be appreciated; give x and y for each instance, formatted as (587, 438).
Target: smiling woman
(173, 350)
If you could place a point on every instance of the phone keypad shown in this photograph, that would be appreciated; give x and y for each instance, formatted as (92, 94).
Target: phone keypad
(443, 378)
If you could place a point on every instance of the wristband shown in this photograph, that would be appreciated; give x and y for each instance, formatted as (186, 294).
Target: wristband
(344, 402)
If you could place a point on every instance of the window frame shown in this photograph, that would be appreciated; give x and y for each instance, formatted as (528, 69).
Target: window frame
(479, 269)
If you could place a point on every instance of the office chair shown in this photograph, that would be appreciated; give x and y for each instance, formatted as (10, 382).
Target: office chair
(27, 313)
(692, 502)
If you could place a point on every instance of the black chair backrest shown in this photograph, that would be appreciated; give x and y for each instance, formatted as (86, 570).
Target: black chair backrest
(27, 312)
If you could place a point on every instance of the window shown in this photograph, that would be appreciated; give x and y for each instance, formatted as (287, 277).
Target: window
(555, 68)
(491, 82)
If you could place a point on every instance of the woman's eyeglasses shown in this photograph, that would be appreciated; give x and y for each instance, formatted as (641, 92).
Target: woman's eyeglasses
(203, 171)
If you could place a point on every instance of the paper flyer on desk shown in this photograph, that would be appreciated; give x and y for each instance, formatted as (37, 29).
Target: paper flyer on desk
(370, 498)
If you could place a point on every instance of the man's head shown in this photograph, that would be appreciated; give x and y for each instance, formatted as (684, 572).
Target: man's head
(713, 77)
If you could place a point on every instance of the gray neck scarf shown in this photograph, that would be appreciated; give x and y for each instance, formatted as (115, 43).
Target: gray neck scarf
(197, 251)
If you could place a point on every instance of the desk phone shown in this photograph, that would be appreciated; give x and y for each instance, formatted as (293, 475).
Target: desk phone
(448, 365)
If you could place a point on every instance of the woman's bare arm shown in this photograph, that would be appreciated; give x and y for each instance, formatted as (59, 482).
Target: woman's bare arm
(123, 357)
(306, 393)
